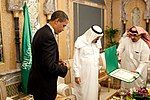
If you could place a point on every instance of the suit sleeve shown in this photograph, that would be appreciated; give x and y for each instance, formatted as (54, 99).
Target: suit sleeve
(50, 57)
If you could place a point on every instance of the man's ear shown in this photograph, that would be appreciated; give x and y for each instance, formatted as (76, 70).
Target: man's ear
(140, 35)
(56, 20)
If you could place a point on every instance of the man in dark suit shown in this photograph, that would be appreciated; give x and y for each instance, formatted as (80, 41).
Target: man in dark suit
(46, 66)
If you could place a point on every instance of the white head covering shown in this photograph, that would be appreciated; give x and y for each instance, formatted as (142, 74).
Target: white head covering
(92, 33)
(144, 34)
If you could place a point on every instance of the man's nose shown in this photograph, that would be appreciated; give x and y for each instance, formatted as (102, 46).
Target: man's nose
(63, 29)
(132, 37)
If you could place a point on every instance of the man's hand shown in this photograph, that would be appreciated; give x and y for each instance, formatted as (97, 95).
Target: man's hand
(78, 80)
(62, 63)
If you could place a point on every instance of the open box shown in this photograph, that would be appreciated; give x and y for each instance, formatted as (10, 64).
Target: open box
(113, 69)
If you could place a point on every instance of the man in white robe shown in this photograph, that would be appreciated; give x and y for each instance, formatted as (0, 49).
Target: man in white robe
(134, 55)
(86, 64)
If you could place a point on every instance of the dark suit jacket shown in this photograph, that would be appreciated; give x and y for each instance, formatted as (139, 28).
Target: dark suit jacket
(42, 83)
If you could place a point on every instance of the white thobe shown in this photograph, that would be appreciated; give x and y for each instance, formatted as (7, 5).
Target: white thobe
(85, 66)
(134, 57)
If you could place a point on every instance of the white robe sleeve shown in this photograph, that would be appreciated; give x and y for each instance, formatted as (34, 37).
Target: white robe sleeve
(141, 68)
(144, 61)
(120, 48)
(76, 63)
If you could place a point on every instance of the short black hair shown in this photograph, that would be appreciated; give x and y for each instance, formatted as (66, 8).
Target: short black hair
(62, 16)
